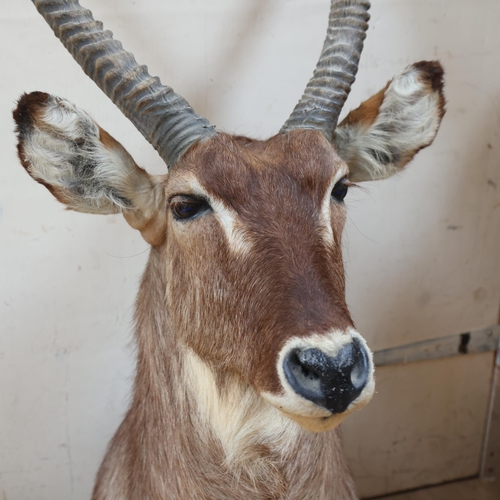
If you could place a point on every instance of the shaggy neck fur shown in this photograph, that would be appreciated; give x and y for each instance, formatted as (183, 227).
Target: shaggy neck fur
(190, 434)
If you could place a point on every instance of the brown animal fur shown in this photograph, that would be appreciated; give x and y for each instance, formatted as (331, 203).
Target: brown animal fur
(221, 301)
(162, 450)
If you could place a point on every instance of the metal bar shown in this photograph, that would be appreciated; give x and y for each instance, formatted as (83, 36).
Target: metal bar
(490, 459)
(484, 340)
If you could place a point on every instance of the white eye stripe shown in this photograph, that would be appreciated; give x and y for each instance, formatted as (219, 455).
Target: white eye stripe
(326, 217)
(239, 242)
(342, 172)
(237, 239)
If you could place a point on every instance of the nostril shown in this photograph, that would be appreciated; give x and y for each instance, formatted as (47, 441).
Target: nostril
(303, 374)
(331, 382)
(360, 369)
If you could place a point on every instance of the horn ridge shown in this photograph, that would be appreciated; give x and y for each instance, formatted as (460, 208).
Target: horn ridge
(325, 94)
(163, 117)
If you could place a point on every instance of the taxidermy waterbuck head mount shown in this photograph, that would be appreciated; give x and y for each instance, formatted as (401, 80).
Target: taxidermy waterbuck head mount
(245, 234)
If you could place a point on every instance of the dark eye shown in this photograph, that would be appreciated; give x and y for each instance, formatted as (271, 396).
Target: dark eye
(187, 207)
(340, 189)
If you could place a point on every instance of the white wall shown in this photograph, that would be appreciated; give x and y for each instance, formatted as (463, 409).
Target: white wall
(422, 249)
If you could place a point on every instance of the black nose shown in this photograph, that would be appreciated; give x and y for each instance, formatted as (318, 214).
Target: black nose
(333, 383)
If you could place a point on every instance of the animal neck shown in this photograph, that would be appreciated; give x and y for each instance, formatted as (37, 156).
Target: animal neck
(193, 432)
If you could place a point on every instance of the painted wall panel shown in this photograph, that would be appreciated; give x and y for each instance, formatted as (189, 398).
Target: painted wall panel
(425, 425)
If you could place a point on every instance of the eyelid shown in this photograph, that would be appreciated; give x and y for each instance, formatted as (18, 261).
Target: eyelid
(187, 197)
(345, 180)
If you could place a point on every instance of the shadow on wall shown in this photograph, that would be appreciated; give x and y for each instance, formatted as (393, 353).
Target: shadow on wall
(207, 95)
(439, 257)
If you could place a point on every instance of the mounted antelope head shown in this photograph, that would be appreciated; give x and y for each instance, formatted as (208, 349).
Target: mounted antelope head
(242, 327)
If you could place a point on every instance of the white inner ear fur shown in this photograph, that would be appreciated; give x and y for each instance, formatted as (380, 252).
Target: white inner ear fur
(239, 418)
(65, 151)
(408, 120)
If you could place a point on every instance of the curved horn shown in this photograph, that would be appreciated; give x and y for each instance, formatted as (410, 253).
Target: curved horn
(163, 117)
(325, 94)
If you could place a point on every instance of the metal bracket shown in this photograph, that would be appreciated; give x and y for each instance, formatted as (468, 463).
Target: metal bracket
(485, 340)
(478, 341)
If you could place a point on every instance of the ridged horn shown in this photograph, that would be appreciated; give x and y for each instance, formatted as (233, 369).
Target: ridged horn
(325, 94)
(163, 117)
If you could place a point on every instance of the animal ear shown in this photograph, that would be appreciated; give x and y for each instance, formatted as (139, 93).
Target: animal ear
(85, 168)
(380, 137)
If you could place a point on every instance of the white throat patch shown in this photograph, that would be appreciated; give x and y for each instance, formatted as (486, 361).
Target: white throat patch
(239, 418)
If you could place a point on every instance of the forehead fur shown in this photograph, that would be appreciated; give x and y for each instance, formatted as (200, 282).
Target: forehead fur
(244, 172)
